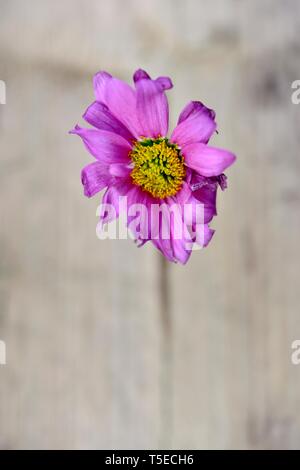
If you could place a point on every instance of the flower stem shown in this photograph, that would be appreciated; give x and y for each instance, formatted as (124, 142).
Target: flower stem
(166, 393)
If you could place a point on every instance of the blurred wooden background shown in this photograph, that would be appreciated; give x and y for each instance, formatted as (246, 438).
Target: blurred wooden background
(91, 360)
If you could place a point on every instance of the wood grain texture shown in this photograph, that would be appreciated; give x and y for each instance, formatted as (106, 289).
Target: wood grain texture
(98, 354)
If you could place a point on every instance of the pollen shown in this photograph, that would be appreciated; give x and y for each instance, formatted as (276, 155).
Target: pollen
(158, 168)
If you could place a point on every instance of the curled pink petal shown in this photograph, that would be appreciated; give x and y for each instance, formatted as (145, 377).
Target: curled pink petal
(205, 191)
(196, 124)
(165, 83)
(193, 108)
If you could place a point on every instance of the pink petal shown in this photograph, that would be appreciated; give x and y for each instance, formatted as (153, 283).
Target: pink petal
(205, 193)
(174, 240)
(208, 198)
(192, 109)
(181, 253)
(204, 235)
(99, 116)
(119, 97)
(139, 215)
(184, 194)
(95, 177)
(180, 238)
(113, 194)
(207, 161)
(152, 104)
(196, 124)
(164, 246)
(120, 170)
(203, 208)
(106, 146)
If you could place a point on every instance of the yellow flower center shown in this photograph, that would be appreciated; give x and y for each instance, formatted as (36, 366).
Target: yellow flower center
(158, 167)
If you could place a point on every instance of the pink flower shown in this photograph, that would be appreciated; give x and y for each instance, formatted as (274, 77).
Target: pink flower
(136, 159)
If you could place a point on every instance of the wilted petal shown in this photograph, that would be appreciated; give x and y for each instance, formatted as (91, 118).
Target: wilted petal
(205, 192)
(192, 109)
(196, 124)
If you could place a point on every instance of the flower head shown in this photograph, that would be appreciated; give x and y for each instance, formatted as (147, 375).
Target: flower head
(158, 167)
(136, 159)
